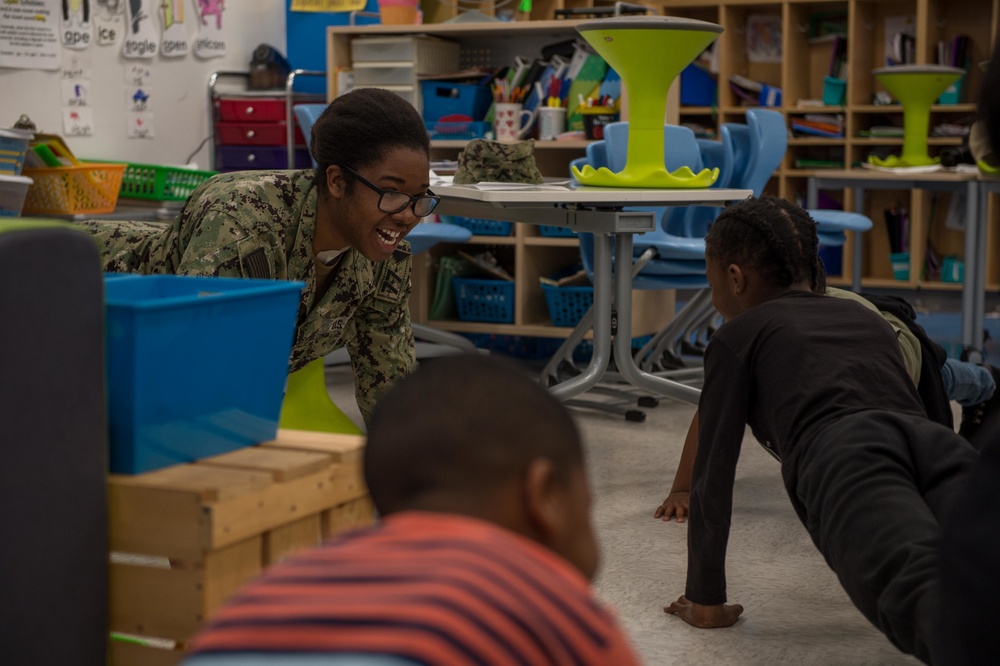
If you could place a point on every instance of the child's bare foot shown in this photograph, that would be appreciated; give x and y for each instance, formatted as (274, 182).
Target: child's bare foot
(705, 617)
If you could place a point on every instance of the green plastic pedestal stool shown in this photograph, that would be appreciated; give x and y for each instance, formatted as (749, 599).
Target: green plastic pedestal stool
(307, 404)
(916, 87)
(648, 52)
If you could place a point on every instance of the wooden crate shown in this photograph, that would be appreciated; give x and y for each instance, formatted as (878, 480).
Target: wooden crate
(185, 538)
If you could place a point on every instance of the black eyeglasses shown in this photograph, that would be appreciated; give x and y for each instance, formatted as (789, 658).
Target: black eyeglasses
(391, 201)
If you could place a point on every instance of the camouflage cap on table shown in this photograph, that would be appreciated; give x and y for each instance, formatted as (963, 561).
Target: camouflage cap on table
(495, 162)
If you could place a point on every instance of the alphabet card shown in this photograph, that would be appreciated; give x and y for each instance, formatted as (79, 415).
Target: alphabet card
(210, 41)
(109, 21)
(174, 39)
(77, 30)
(141, 41)
(78, 121)
(140, 125)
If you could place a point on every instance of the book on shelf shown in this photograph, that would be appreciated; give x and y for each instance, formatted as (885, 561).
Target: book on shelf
(809, 163)
(830, 130)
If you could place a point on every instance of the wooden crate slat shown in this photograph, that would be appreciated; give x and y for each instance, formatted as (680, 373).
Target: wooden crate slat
(283, 503)
(344, 448)
(288, 539)
(347, 516)
(157, 521)
(281, 464)
(132, 654)
(210, 483)
(174, 603)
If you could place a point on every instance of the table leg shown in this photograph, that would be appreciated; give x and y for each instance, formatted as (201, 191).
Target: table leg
(623, 338)
(972, 337)
(979, 288)
(857, 242)
(598, 365)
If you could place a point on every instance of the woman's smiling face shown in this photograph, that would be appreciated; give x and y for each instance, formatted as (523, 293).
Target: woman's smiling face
(356, 220)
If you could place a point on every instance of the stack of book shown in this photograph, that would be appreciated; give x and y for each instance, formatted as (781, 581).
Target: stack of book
(819, 124)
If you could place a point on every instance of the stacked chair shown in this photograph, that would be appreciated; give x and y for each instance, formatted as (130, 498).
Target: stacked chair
(672, 257)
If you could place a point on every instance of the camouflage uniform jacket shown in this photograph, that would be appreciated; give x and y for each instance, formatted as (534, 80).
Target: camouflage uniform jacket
(260, 225)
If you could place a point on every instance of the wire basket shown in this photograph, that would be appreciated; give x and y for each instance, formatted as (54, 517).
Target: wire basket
(69, 190)
(484, 300)
(161, 183)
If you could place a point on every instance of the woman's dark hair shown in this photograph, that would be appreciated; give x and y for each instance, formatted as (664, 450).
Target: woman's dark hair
(362, 127)
(774, 237)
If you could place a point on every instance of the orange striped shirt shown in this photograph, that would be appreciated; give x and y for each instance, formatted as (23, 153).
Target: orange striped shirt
(428, 587)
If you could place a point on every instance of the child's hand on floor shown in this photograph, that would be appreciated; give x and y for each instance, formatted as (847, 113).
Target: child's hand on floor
(677, 504)
(705, 617)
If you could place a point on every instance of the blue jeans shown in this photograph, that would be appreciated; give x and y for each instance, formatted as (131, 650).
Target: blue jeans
(967, 383)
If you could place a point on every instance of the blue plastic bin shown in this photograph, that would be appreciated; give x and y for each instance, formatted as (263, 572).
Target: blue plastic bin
(14, 145)
(196, 366)
(484, 300)
(446, 98)
(697, 86)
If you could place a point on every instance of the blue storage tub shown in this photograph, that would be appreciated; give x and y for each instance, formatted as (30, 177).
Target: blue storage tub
(697, 86)
(196, 366)
(465, 130)
(446, 98)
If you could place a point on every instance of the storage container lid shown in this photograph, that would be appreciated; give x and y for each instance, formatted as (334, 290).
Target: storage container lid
(10, 133)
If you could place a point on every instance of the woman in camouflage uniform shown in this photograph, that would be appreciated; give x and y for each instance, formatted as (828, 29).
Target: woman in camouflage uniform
(339, 230)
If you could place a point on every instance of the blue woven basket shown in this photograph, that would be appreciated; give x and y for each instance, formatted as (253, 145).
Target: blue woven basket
(480, 227)
(568, 304)
(550, 231)
(484, 300)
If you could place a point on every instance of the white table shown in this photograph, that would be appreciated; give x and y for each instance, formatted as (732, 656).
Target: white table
(947, 181)
(599, 211)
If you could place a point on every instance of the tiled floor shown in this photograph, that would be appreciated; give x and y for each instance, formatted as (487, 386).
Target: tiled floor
(795, 610)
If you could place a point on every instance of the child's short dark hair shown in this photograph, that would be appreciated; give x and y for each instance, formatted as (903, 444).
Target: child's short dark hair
(360, 128)
(773, 236)
(460, 427)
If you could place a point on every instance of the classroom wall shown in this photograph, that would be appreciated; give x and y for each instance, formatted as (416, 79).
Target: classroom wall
(178, 98)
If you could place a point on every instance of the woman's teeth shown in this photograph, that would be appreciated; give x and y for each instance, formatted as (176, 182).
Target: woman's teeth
(388, 237)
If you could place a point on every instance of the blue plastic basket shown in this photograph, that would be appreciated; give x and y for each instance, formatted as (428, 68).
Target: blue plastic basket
(456, 131)
(484, 300)
(446, 98)
(480, 227)
(550, 231)
(196, 366)
(567, 305)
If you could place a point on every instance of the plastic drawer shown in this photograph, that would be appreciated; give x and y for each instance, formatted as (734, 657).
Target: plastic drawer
(257, 134)
(372, 74)
(259, 157)
(251, 109)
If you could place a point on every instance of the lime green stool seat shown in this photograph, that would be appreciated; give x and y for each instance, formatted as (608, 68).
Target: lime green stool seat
(916, 87)
(307, 404)
(648, 52)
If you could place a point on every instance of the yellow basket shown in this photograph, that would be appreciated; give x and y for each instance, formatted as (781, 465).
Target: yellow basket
(70, 190)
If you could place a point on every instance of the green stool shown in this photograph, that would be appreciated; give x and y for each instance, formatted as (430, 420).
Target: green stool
(307, 405)
(648, 52)
(916, 87)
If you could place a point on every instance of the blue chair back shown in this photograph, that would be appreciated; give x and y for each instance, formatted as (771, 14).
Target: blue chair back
(307, 115)
(766, 138)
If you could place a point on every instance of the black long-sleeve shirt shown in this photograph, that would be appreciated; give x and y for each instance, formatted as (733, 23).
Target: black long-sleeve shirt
(786, 368)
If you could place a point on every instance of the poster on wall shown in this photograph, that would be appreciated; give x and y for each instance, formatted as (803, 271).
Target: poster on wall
(77, 29)
(141, 41)
(78, 121)
(109, 21)
(174, 39)
(29, 34)
(210, 41)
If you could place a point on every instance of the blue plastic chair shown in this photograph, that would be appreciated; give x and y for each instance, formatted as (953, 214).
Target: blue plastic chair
(662, 261)
(764, 138)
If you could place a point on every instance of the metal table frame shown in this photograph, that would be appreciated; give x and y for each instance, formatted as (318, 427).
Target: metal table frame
(599, 211)
(860, 180)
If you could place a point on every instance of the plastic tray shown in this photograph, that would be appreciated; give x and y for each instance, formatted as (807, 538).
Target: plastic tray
(87, 188)
(462, 130)
(196, 366)
(484, 300)
(551, 231)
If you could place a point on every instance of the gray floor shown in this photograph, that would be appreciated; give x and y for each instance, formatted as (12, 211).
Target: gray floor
(795, 610)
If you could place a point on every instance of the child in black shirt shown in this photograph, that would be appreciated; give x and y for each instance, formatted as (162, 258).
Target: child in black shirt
(821, 383)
